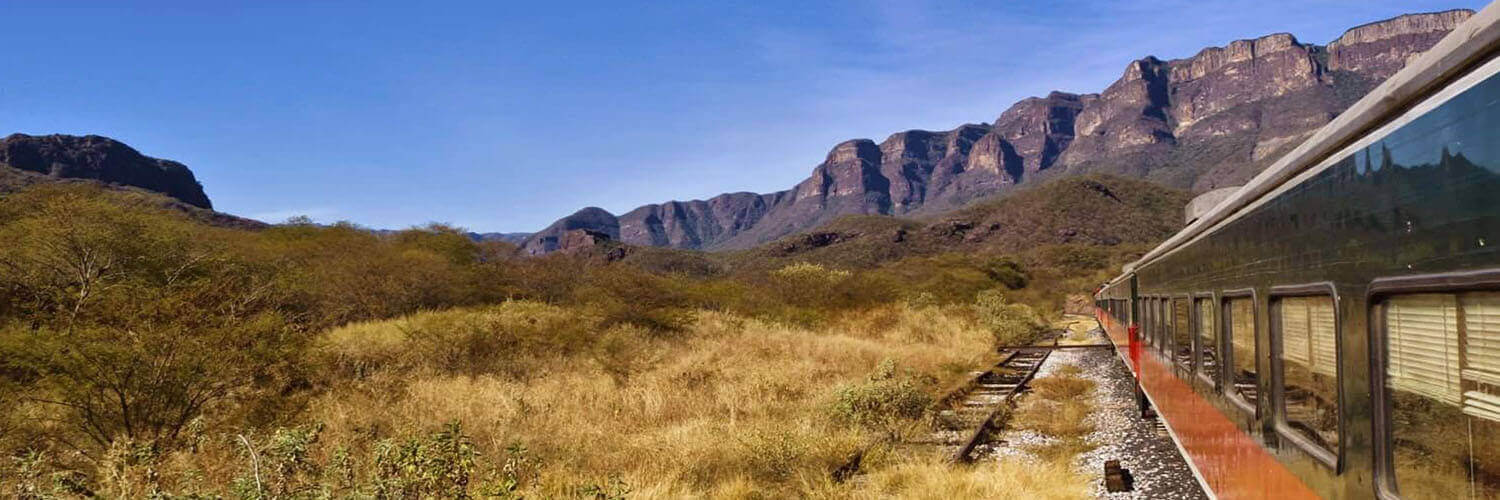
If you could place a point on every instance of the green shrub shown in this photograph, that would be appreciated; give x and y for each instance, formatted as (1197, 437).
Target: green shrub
(775, 455)
(440, 465)
(887, 397)
(1012, 324)
(806, 285)
(1006, 272)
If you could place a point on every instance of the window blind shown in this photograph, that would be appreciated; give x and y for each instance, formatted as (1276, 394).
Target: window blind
(1321, 321)
(1482, 354)
(1242, 332)
(1206, 322)
(1422, 346)
(1296, 344)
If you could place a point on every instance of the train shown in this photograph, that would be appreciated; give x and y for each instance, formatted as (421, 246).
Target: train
(1332, 328)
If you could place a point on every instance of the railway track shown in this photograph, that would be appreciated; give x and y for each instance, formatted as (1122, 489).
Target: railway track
(969, 413)
(975, 409)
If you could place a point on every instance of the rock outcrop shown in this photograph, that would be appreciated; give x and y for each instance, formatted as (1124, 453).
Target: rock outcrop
(556, 237)
(1203, 122)
(101, 159)
(1378, 50)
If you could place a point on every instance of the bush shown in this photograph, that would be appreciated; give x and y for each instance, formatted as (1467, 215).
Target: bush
(808, 285)
(441, 465)
(623, 295)
(130, 323)
(622, 351)
(1006, 272)
(1012, 324)
(884, 399)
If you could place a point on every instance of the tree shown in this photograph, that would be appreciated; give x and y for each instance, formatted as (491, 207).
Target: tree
(134, 321)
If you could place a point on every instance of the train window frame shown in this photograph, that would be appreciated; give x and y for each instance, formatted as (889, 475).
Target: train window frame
(1205, 375)
(1227, 355)
(1138, 318)
(1164, 330)
(1148, 328)
(1183, 370)
(1380, 289)
(1164, 349)
(1156, 324)
(1331, 458)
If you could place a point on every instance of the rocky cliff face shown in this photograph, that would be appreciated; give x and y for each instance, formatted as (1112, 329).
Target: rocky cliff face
(1207, 121)
(101, 159)
(1381, 49)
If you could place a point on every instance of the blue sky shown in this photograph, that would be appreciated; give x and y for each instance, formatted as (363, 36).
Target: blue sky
(503, 116)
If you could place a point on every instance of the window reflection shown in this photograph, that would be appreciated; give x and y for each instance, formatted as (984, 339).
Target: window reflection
(1443, 384)
(1208, 340)
(1309, 364)
(1147, 325)
(1242, 342)
(1182, 336)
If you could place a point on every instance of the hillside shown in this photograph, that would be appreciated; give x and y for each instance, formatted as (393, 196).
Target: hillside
(94, 158)
(1089, 211)
(1196, 123)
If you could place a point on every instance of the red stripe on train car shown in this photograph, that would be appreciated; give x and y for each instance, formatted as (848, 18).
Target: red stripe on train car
(1230, 461)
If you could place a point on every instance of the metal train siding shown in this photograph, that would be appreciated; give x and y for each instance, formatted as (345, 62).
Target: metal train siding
(1339, 335)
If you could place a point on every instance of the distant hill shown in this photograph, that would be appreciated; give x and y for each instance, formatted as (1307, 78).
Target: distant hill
(512, 238)
(1091, 210)
(27, 159)
(1206, 121)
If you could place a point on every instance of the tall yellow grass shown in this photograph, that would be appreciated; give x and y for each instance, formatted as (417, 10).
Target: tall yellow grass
(736, 407)
(1005, 479)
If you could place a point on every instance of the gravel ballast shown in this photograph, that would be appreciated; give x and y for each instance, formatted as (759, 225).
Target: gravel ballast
(1159, 470)
(1120, 433)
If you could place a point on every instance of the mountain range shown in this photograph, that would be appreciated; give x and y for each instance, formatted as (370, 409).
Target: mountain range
(1202, 122)
(1207, 121)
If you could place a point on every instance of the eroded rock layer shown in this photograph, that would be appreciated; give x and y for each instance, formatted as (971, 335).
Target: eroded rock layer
(1203, 122)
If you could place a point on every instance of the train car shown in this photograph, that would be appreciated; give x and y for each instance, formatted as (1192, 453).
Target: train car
(1332, 329)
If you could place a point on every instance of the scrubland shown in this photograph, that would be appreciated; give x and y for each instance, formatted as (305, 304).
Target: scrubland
(144, 354)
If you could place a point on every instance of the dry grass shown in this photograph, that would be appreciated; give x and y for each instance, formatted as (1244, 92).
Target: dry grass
(1058, 406)
(1076, 330)
(730, 407)
(1052, 478)
(733, 407)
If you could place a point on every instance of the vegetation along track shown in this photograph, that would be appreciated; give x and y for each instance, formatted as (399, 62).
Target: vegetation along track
(975, 408)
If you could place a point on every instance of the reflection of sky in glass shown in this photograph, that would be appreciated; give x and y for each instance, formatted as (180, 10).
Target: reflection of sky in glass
(1463, 125)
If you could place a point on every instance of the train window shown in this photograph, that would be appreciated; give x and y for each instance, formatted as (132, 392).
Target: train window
(1164, 307)
(1182, 333)
(1442, 385)
(1163, 326)
(1155, 322)
(1309, 369)
(1241, 322)
(1158, 327)
(1148, 328)
(1208, 340)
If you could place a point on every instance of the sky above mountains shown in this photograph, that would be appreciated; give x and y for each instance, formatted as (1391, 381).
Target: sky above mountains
(504, 116)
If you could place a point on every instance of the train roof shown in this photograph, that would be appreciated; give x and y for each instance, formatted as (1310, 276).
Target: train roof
(1464, 47)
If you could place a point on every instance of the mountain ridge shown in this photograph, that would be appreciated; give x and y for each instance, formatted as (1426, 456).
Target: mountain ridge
(102, 159)
(1210, 120)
